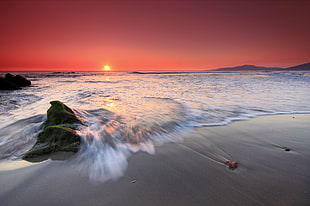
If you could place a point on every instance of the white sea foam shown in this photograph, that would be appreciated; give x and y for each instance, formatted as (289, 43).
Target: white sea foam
(108, 140)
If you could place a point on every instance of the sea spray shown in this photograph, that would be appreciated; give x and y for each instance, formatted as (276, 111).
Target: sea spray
(19, 137)
(109, 139)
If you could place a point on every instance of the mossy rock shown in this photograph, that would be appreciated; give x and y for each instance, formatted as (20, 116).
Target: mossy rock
(59, 114)
(59, 133)
(55, 139)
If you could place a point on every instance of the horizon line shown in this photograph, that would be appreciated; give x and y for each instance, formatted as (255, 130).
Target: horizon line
(48, 69)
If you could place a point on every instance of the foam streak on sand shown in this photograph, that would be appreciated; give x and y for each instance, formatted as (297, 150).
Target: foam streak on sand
(108, 140)
(102, 156)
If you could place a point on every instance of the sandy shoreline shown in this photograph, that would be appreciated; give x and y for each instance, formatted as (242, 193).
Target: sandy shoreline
(189, 173)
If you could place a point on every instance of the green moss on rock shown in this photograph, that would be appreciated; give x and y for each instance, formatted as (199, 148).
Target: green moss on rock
(59, 113)
(58, 134)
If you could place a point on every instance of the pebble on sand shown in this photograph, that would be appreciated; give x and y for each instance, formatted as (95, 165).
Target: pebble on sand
(232, 164)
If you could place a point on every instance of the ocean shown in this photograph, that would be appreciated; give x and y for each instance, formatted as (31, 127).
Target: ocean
(128, 112)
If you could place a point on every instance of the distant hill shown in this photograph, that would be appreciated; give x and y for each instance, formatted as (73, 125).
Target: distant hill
(249, 68)
(302, 67)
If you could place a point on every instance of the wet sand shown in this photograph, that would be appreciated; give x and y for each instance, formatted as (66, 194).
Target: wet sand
(189, 173)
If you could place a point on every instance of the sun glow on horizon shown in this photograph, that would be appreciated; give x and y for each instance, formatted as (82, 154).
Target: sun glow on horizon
(106, 68)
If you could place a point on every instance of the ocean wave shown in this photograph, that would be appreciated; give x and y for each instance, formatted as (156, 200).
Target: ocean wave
(9, 102)
(109, 139)
(245, 117)
(19, 137)
(102, 81)
(138, 112)
(170, 72)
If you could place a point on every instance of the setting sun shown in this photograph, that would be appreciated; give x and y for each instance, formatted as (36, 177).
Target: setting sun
(107, 68)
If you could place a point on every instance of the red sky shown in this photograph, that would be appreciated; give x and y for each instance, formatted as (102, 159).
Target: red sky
(152, 35)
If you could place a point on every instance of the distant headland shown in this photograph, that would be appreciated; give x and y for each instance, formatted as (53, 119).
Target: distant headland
(301, 67)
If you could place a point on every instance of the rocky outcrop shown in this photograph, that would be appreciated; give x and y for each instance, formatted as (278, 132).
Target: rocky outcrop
(59, 132)
(59, 114)
(7, 85)
(11, 82)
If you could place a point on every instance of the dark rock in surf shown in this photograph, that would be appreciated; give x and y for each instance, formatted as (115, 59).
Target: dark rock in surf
(18, 80)
(59, 113)
(7, 85)
(54, 139)
(11, 82)
(59, 132)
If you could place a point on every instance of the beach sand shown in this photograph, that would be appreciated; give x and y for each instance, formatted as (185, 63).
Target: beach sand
(192, 172)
